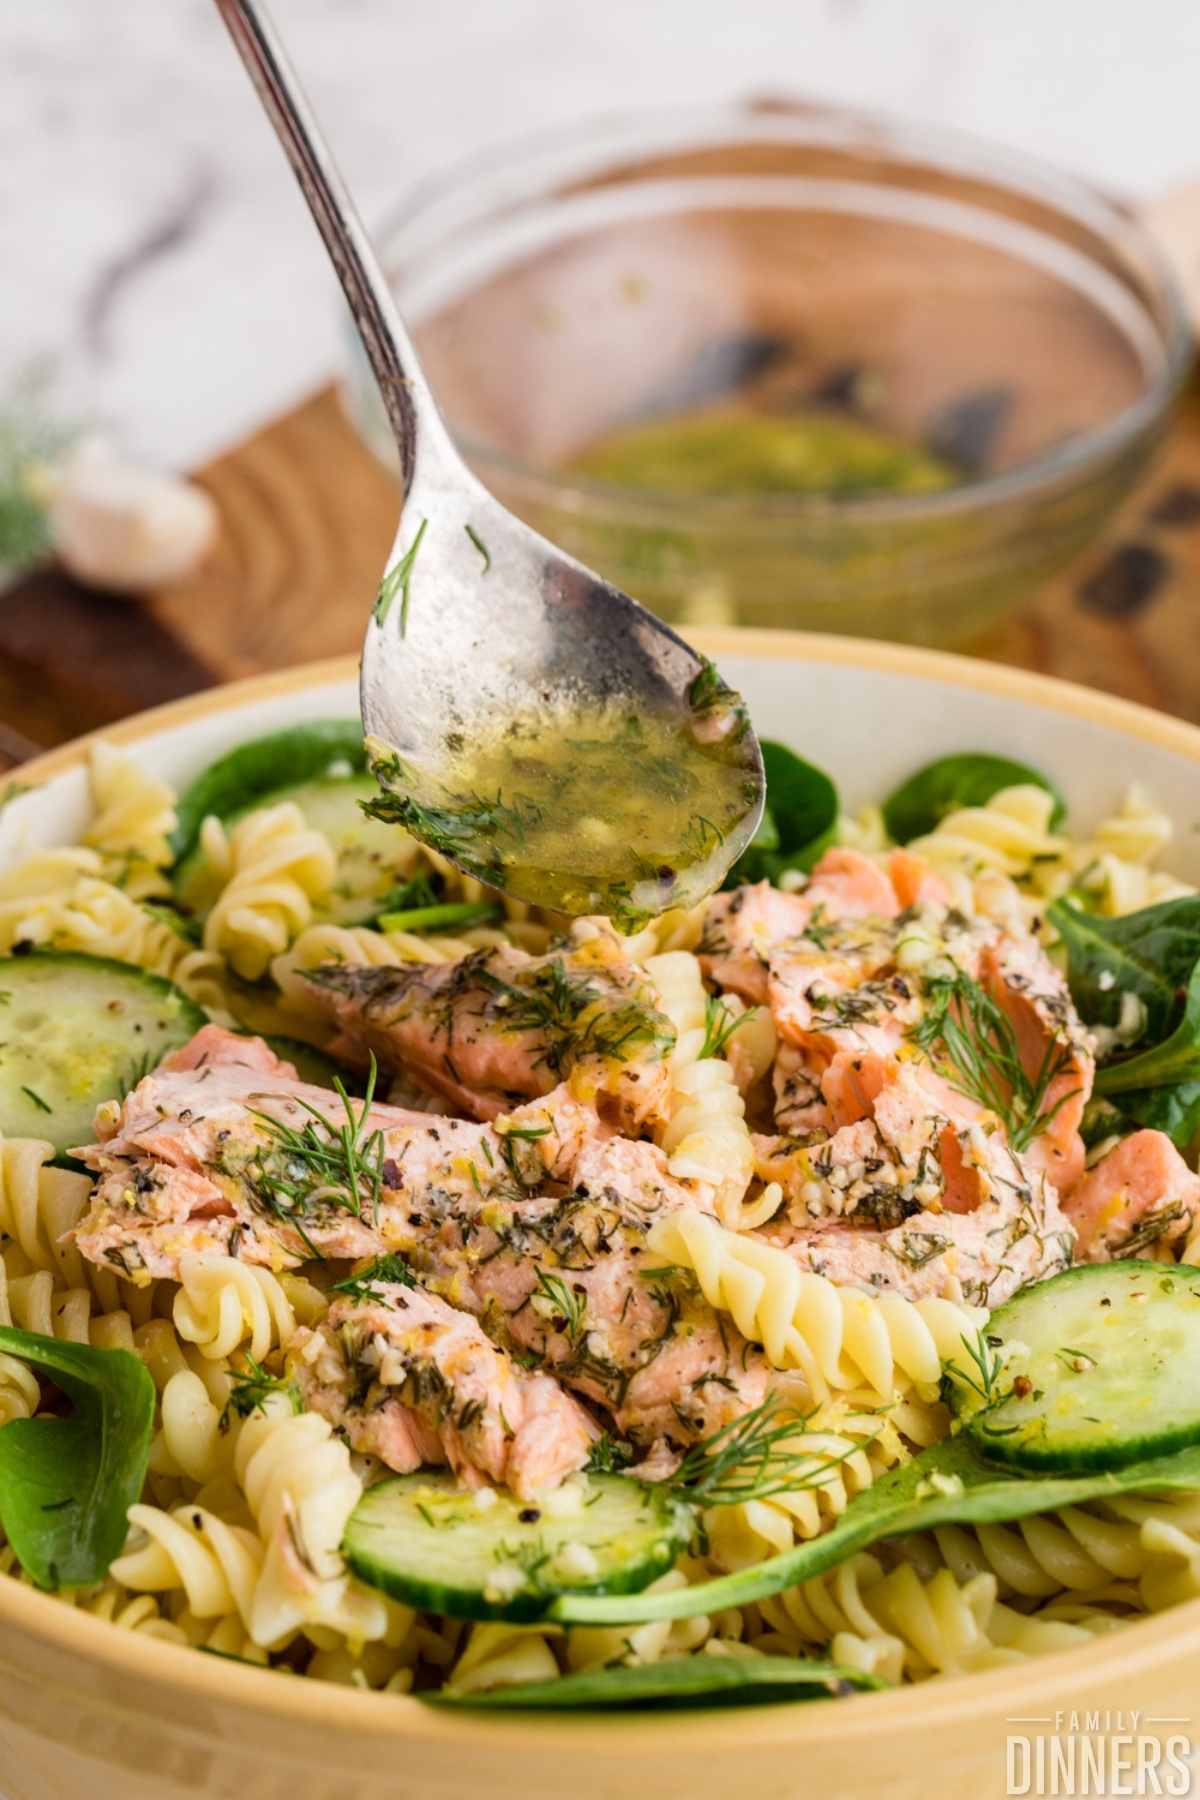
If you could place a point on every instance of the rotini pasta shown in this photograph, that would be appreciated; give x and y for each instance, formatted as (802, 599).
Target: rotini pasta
(301, 1488)
(704, 1134)
(58, 900)
(896, 1625)
(273, 867)
(838, 1338)
(849, 1450)
(223, 1303)
(132, 823)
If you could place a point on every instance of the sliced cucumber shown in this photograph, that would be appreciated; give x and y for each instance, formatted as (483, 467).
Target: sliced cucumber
(242, 777)
(425, 1541)
(1094, 1369)
(76, 1030)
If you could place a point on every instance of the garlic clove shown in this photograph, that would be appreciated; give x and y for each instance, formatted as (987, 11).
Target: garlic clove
(118, 526)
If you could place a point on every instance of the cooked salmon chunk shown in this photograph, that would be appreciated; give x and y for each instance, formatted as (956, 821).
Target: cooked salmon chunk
(1139, 1200)
(535, 1223)
(501, 1026)
(224, 1151)
(414, 1381)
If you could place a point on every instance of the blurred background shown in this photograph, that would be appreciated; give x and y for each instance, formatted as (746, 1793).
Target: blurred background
(911, 387)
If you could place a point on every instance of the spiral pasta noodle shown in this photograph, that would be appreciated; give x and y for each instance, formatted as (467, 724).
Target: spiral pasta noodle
(1008, 835)
(40, 1204)
(273, 867)
(189, 1549)
(837, 1337)
(58, 900)
(132, 822)
(704, 1133)
(849, 1450)
(223, 1303)
(301, 1488)
(896, 1624)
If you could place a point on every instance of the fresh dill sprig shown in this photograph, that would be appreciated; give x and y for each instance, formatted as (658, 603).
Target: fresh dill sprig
(480, 546)
(361, 1285)
(563, 1307)
(344, 1163)
(568, 1013)
(250, 1388)
(608, 1456)
(965, 1028)
(136, 1071)
(750, 1459)
(396, 581)
(720, 1023)
(468, 828)
(986, 1363)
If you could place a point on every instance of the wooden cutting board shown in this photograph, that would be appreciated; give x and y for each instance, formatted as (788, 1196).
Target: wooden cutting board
(308, 516)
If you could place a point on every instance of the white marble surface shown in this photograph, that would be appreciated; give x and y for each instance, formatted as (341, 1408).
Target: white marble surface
(157, 257)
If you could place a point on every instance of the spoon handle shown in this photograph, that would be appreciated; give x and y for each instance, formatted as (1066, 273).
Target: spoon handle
(411, 408)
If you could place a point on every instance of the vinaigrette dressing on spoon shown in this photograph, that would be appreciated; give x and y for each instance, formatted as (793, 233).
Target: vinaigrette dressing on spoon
(603, 809)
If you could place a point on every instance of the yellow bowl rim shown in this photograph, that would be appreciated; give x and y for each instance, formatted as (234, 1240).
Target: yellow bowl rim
(149, 1665)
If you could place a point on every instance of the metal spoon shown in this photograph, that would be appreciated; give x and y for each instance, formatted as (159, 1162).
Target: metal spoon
(480, 619)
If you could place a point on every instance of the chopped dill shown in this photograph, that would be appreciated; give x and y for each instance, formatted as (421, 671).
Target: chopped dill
(37, 1099)
(750, 1459)
(720, 1023)
(250, 1388)
(564, 1307)
(340, 1165)
(966, 1029)
(396, 581)
(389, 1268)
(480, 546)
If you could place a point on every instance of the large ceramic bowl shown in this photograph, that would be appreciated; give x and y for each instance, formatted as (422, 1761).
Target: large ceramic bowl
(88, 1712)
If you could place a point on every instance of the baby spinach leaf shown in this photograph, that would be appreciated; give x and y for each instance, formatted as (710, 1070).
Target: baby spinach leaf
(677, 1681)
(1175, 1060)
(1175, 1110)
(798, 822)
(66, 1484)
(1150, 953)
(919, 804)
(949, 1484)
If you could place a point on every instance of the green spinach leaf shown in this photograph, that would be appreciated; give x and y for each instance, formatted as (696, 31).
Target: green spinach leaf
(798, 823)
(675, 1682)
(66, 1484)
(1150, 953)
(949, 1484)
(919, 804)
(1176, 1059)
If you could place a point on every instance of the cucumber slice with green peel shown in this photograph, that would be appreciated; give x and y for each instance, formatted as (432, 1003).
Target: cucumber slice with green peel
(76, 1030)
(426, 1541)
(241, 778)
(1096, 1368)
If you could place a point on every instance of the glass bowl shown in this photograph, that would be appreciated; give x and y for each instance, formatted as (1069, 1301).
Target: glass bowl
(802, 263)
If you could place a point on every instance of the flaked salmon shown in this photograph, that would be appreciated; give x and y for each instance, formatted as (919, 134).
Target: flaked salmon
(415, 1381)
(221, 1150)
(535, 1223)
(1139, 1200)
(501, 1026)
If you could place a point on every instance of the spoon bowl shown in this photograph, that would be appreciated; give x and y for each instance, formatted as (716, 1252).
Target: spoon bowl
(480, 624)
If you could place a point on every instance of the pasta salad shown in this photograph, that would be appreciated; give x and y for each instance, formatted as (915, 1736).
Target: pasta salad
(398, 1289)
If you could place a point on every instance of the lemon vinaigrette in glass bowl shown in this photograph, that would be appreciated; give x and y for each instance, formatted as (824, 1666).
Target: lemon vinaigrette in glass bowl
(791, 365)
